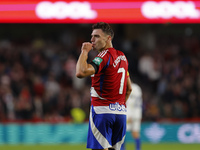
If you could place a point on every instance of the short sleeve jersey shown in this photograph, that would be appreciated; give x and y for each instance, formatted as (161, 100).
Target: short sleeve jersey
(109, 82)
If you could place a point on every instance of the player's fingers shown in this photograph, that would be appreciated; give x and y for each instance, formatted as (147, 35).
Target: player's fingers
(87, 46)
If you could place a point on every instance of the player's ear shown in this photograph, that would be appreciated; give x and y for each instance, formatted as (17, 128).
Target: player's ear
(109, 38)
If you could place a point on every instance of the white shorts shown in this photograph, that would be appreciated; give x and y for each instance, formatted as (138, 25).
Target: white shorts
(134, 118)
(134, 125)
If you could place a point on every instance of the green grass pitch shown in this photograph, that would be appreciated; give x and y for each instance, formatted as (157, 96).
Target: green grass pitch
(129, 146)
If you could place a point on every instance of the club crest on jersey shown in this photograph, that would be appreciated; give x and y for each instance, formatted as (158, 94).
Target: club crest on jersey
(97, 60)
(117, 106)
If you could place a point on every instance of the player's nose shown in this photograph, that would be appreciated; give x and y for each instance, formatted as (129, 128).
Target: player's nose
(92, 39)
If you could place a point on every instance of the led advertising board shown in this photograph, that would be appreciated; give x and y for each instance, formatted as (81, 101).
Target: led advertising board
(91, 11)
(39, 133)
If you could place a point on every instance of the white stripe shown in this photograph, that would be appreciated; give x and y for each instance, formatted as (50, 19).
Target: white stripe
(118, 145)
(104, 53)
(94, 93)
(100, 138)
(100, 54)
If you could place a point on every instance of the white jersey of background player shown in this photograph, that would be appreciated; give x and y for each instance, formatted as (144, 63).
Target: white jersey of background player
(134, 114)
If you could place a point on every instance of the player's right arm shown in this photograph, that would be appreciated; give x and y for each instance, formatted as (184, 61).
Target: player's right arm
(83, 69)
(128, 88)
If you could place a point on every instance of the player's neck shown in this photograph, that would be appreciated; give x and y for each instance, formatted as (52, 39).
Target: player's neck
(106, 47)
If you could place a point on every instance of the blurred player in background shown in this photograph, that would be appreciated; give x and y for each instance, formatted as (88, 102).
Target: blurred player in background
(134, 114)
(111, 87)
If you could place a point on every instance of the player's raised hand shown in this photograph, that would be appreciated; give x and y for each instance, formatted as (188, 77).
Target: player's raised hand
(86, 46)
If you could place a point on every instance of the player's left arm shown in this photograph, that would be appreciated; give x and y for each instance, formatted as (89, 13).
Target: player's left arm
(128, 88)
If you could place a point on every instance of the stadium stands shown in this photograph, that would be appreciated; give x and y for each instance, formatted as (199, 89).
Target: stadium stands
(37, 70)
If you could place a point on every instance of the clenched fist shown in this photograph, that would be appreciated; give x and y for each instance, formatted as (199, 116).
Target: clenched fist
(86, 46)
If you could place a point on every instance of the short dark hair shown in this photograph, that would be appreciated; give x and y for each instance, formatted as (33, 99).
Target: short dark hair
(105, 27)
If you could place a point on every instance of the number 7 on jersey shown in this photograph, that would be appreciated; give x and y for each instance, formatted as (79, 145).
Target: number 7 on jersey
(121, 70)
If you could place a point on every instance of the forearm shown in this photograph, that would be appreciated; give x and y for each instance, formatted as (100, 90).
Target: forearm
(82, 64)
(128, 92)
(128, 88)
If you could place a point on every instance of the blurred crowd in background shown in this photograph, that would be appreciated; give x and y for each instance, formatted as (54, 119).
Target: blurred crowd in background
(37, 70)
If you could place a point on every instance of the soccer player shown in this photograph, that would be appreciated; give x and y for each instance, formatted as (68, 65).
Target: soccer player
(134, 114)
(111, 87)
